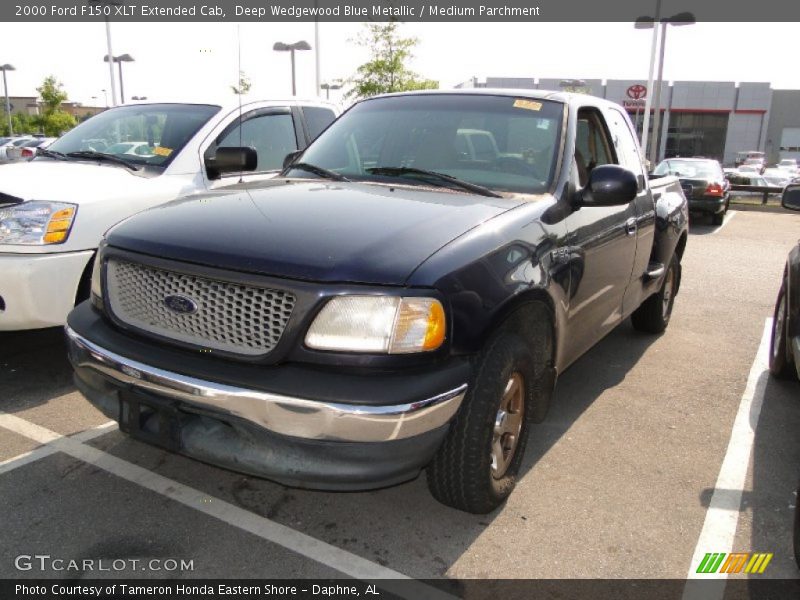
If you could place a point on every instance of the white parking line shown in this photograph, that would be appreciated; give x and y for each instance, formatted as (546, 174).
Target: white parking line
(722, 517)
(47, 448)
(326, 554)
(728, 218)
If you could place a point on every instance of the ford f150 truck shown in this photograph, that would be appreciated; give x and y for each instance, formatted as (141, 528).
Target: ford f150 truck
(397, 300)
(55, 209)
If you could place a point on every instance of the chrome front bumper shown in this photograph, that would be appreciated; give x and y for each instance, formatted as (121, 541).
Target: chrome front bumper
(296, 417)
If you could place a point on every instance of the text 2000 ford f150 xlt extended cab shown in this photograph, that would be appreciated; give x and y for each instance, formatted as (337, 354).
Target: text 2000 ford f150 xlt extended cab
(404, 296)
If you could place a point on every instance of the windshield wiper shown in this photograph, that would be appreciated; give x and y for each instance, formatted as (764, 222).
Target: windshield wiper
(51, 154)
(449, 179)
(322, 172)
(93, 155)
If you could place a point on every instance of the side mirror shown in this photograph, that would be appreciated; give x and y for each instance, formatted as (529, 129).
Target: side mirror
(791, 197)
(290, 158)
(231, 160)
(609, 185)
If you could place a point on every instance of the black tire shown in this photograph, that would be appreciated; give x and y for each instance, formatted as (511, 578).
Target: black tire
(718, 218)
(463, 473)
(654, 314)
(781, 362)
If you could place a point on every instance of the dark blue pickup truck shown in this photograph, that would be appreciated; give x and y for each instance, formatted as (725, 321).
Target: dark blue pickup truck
(402, 297)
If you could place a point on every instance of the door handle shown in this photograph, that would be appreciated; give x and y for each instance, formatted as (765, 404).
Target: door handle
(630, 226)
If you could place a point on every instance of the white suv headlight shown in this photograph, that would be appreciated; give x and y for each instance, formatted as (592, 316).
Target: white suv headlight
(36, 223)
(378, 324)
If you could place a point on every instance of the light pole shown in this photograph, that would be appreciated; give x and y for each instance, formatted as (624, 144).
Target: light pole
(679, 19)
(119, 60)
(281, 47)
(328, 87)
(5, 68)
(317, 86)
(108, 3)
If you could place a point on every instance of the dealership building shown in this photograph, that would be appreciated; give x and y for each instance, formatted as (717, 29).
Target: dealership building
(698, 118)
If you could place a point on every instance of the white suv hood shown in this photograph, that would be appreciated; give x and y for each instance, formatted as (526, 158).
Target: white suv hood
(75, 182)
(105, 195)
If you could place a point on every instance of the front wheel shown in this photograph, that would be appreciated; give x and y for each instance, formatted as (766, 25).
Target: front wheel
(476, 467)
(654, 314)
(781, 363)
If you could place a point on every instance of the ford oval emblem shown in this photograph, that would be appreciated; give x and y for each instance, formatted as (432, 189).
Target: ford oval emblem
(182, 305)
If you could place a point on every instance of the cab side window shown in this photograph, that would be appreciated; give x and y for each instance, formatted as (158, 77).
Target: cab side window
(317, 119)
(592, 144)
(271, 135)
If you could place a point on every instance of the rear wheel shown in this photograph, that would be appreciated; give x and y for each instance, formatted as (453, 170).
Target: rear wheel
(781, 363)
(718, 218)
(476, 467)
(654, 314)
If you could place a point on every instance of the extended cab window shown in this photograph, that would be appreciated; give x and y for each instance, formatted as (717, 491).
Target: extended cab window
(592, 144)
(499, 142)
(625, 142)
(270, 134)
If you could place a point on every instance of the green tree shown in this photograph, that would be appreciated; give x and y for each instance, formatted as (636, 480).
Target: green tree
(52, 94)
(244, 84)
(21, 123)
(387, 69)
(53, 121)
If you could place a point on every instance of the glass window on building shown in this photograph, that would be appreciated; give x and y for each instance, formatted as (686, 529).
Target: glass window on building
(696, 134)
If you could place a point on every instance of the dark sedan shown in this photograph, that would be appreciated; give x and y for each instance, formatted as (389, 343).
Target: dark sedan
(784, 351)
(703, 183)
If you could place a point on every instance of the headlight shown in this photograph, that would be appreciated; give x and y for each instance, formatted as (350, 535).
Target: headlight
(36, 223)
(378, 324)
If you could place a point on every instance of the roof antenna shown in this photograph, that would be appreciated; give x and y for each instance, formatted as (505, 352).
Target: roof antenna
(239, 87)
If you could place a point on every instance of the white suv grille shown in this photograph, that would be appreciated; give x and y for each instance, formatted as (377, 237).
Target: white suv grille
(226, 316)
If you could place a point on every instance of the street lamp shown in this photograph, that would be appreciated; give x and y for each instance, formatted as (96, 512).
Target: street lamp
(5, 68)
(104, 94)
(328, 87)
(281, 47)
(679, 19)
(119, 60)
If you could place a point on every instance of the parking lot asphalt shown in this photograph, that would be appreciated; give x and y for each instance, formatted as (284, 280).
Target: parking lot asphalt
(616, 483)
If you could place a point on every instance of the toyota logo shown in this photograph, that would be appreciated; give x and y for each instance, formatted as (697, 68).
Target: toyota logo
(636, 92)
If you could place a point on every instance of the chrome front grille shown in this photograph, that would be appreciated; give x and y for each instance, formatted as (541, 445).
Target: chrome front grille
(220, 315)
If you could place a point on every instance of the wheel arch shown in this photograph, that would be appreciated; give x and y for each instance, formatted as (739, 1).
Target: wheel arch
(84, 288)
(533, 314)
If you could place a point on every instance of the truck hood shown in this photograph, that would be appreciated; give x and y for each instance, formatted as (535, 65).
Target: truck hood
(318, 231)
(75, 182)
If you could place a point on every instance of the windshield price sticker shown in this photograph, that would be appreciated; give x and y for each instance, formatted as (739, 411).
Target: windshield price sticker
(162, 151)
(527, 104)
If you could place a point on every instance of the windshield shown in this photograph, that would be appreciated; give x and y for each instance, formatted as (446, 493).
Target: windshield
(148, 134)
(690, 168)
(501, 143)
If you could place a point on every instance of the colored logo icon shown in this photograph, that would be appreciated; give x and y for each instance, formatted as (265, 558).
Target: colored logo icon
(717, 562)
